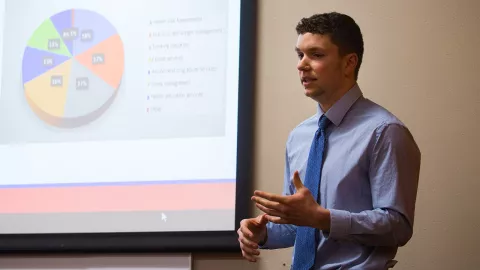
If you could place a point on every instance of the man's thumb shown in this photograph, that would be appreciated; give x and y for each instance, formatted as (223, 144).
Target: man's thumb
(262, 220)
(297, 182)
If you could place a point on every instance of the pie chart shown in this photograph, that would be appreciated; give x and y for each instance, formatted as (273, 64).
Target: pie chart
(72, 68)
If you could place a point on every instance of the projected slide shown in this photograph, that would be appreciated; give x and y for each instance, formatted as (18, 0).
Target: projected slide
(90, 73)
(118, 116)
(72, 68)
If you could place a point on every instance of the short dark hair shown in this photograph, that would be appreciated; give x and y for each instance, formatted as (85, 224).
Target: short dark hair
(342, 29)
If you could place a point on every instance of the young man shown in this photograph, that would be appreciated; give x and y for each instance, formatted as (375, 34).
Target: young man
(351, 171)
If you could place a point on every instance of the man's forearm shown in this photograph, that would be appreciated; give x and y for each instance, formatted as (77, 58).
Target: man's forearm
(279, 236)
(379, 227)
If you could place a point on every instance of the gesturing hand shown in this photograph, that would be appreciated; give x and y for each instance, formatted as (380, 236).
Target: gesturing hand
(251, 232)
(299, 209)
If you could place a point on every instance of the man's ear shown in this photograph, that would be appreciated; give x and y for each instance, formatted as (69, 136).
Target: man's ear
(350, 64)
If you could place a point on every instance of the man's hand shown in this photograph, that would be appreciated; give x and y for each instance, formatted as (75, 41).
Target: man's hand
(299, 209)
(251, 232)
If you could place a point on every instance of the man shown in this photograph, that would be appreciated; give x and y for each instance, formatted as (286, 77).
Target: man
(358, 162)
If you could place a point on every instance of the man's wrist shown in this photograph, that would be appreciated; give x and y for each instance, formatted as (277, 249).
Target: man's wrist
(322, 219)
(264, 240)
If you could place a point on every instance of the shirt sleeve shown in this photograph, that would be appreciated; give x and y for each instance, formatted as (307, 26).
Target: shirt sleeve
(394, 173)
(282, 235)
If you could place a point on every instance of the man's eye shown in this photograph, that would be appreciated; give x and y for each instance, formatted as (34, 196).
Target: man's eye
(318, 55)
(300, 55)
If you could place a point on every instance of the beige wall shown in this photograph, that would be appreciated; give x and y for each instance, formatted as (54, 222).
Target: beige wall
(422, 62)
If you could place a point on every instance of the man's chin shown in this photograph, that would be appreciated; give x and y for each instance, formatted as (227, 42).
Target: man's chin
(314, 94)
(309, 92)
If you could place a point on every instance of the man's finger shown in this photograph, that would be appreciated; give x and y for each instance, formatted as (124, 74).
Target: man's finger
(246, 232)
(271, 197)
(297, 182)
(267, 203)
(249, 250)
(248, 256)
(277, 220)
(269, 211)
(261, 220)
(247, 242)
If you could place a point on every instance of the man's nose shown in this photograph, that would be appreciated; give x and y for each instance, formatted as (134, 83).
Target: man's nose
(303, 64)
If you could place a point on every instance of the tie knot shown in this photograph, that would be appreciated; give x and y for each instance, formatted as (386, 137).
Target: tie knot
(323, 122)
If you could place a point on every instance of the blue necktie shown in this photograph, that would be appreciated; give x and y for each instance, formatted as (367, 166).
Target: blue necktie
(305, 241)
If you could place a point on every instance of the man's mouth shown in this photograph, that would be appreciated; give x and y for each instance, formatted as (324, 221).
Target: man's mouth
(307, 80)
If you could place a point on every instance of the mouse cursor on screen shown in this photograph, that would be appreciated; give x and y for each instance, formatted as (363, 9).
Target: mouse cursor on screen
(164, 217)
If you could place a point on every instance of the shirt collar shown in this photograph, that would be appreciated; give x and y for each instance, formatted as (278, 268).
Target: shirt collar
(338, 111)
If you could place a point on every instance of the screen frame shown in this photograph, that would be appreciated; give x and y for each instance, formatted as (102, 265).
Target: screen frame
(151, 242)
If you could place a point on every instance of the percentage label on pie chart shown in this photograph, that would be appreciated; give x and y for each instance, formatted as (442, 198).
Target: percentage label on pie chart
(72, 68)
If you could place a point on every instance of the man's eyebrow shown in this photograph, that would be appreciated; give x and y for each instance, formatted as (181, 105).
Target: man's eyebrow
(309, 49)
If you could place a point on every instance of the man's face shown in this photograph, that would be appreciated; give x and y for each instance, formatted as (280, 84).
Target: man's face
(320, 67)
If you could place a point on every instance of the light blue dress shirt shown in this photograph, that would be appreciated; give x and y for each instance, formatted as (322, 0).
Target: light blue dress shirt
(369, 183)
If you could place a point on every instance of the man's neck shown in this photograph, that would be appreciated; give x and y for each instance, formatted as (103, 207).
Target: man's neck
(327, 102)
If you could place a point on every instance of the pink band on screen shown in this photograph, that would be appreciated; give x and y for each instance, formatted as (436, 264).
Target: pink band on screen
(165, 197)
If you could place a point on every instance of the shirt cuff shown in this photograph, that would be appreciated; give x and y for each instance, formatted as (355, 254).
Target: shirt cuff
(262, 244)
(340, 224)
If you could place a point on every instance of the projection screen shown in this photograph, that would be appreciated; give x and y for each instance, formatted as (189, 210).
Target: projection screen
(125, 125)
